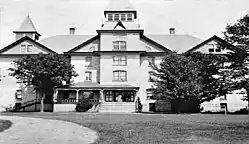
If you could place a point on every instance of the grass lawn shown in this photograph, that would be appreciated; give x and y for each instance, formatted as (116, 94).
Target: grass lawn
(4, 124)
(164, 128)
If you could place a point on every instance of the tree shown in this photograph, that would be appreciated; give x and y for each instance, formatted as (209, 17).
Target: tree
(177, 79)
(213, 84)
(45, 71)
(238, 72)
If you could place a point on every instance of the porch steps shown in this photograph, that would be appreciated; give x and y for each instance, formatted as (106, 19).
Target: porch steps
(117, 107)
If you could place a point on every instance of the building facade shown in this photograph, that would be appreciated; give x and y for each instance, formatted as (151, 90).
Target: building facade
(114, 66)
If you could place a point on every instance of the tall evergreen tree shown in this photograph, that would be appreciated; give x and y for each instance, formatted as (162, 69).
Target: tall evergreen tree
(238, 72)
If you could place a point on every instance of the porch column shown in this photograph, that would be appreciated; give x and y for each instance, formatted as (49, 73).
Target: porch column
(55, 95)
(102, 96)
(77, 95)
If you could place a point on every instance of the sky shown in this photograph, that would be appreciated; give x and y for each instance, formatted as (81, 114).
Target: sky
(200, 18)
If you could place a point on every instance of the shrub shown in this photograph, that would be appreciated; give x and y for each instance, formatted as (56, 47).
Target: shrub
(242, 111)
(83, 105)
(139, 105)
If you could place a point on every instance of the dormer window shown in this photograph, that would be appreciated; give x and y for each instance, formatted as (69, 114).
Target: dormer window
(129, 17)
(123, 17)
(120, 16)
(110, 17)
(116, 17)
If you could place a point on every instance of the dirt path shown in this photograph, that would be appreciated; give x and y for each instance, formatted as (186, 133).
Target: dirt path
(43, 131)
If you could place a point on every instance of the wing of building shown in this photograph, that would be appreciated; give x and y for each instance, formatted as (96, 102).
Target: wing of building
(114, 66)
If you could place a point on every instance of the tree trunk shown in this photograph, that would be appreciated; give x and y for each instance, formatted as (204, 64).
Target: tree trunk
(247, 95)
(42, 101)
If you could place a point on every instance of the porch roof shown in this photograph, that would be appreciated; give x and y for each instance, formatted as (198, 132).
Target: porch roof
(96, 86)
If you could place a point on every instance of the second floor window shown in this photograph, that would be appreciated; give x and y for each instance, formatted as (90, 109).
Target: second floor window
(119, 60)
(119, 45)
(88, 76)
(88, 61)
(119, 75)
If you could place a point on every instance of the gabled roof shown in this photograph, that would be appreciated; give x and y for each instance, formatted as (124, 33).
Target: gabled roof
(84, 43)
(64, 43)
(22, 40)
(119, 24)
(225, 43)
(27, 26)
(120, 5)
(155, 43)
(179, 43)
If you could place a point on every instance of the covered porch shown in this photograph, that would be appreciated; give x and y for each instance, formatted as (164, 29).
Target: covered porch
(101, 96)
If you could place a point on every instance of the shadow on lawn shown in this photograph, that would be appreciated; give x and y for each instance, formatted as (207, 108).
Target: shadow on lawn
(4, 124)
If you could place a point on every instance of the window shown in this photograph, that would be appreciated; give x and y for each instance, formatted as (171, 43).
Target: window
(149, 94)
(151, 61)
(88, 61)
(119, 75)
(29, 48)
(150, 76)
(109, 96)
(110, 17)
(119, 45)
(123, 17)
(18, 94)
(119, 60)
(88, 76)
(214, 48)
(129, 17)
(217, 50)
(23, 48)
(116, 17)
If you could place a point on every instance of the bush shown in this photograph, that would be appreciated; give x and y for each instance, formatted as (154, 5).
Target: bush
(242, 111)
(83, 105)
(139, 105)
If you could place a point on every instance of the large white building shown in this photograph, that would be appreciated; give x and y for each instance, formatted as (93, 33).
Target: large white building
(114, 65)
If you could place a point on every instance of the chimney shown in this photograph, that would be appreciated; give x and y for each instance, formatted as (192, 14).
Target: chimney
(171, 31)
(72, 31)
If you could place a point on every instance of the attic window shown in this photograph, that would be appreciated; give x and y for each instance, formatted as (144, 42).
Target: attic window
(29, 48)
(23, 48)
(214, 48)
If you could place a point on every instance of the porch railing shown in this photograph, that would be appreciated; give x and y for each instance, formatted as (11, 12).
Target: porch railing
(67, 101)
(73, 101)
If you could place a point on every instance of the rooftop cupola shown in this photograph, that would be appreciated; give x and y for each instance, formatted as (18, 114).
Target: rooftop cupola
(120, 10)
(27, 28)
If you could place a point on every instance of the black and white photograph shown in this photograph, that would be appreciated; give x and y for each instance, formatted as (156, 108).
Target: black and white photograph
(124, 71)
